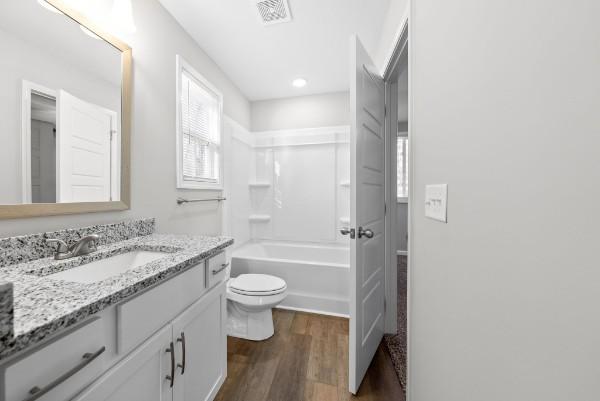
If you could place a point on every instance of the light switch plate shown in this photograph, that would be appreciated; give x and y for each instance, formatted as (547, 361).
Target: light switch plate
(436, 200)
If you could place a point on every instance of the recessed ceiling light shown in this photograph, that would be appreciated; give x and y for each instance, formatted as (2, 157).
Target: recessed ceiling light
(299, 82)
(48, 6)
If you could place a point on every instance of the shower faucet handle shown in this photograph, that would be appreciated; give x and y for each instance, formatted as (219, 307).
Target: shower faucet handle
(348, 231)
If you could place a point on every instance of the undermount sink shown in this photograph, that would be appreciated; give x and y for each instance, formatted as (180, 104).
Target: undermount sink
(102, 269)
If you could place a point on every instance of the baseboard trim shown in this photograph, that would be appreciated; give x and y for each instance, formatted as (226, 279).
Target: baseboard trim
(313, 311)
(315, 304)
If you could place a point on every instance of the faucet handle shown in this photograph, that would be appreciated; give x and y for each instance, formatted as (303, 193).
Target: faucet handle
(62, 246)
(94, 243)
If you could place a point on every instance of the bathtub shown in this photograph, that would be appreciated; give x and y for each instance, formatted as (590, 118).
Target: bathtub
(317, 276)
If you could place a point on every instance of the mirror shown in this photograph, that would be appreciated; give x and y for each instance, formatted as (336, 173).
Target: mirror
(64, 108)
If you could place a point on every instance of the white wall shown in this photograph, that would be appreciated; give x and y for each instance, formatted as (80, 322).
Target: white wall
(389, 31)
(324, 110)
(157, 40)
(504, 298)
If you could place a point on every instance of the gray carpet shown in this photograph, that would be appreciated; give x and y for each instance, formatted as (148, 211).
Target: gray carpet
(396, 344)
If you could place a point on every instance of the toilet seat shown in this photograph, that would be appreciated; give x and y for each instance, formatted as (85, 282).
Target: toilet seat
(257, 285)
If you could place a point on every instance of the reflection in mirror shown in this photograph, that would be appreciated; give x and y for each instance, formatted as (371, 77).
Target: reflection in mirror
(43, 149)
(60, 107)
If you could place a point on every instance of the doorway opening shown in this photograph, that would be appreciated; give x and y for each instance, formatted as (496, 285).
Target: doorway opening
(398, 199)
(70, 148)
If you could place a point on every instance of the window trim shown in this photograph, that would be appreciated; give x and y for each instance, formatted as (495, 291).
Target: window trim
(181, 66)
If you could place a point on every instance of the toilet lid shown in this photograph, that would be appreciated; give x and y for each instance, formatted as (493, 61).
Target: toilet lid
(257, 284)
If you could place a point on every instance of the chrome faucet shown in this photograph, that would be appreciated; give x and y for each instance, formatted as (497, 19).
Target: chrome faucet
(84, 246)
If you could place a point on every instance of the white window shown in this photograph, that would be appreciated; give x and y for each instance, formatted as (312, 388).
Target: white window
(402, 167)
(199, 149)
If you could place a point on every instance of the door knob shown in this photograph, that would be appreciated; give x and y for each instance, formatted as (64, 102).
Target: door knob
(348, 231)
(365, 233)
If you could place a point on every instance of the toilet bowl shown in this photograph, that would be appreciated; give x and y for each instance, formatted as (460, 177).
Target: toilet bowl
(250, 299)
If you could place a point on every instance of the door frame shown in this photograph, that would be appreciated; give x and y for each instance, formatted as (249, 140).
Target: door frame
(400, 54)
(397, 60)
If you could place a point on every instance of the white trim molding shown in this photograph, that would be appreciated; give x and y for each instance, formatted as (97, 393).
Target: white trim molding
(392, 49)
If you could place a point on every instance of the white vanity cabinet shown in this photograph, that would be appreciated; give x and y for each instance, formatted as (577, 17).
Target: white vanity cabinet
(166, 343)
(59, 369)
(185, 361)
(141, 376)
(201, 338)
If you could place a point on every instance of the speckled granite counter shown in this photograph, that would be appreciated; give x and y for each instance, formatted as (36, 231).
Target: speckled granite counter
(42, 306)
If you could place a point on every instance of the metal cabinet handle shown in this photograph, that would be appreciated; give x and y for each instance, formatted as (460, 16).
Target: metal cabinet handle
(220, 269)
(365, 233)
(182, 364)
(171, 377)
(37, 392)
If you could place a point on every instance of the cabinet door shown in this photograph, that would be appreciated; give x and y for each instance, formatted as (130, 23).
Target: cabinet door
(200, 331)
(141, 376)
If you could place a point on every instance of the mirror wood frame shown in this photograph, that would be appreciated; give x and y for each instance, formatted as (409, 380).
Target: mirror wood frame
(55, 209)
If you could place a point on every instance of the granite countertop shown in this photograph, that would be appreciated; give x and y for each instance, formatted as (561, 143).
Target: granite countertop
(43, 306)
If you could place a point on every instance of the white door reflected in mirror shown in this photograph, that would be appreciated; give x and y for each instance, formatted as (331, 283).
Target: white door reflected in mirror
(86, 150)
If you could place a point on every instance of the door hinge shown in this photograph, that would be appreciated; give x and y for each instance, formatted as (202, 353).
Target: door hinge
(385, 208)
(112, 134)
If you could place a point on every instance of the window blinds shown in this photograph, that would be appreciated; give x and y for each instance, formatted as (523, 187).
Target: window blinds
(200, 130)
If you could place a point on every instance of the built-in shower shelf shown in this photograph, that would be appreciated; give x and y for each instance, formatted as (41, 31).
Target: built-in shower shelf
(345, 183)
(259, 218)
(260, 184)
(345, 220)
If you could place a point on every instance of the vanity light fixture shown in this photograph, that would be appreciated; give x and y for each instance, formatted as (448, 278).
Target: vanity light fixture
(48, 6)
(299, 83)
(122, 15)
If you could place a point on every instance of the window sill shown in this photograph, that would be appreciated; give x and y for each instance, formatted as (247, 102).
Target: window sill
(198, 185)
(403, 200)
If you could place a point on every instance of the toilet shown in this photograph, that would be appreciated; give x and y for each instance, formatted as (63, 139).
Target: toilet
(250, 299)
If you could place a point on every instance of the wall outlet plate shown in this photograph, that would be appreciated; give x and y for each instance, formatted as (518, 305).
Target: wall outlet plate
(436, 200)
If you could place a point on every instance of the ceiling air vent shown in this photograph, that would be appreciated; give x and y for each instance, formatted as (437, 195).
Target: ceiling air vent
(273, 11)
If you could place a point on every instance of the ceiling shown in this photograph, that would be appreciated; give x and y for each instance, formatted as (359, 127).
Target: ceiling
(263, 60)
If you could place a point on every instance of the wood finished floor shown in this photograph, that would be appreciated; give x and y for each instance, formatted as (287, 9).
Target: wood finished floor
(306, 360)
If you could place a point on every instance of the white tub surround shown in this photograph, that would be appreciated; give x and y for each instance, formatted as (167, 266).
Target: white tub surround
(290, 185)
(317, 276)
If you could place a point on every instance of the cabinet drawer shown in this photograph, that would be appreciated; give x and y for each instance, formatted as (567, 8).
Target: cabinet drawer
(142, 316)
(59, 369)
(216, 269)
